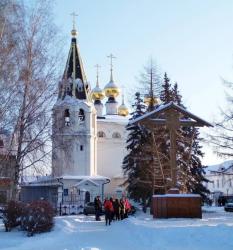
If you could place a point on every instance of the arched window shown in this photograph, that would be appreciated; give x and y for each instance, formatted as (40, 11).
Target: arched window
(67, 117)
(101, 134)
(1, 143)
(81, 115)
(116, 135)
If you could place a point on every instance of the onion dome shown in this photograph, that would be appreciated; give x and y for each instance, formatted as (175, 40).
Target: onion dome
(111, 89)
(97, 93)
(123, 110)
(148, 100)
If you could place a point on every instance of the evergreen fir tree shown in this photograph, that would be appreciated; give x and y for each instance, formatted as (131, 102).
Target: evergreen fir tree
(133, 162)
(166, 95)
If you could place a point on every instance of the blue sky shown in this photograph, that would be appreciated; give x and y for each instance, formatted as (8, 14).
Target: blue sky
(192, 40)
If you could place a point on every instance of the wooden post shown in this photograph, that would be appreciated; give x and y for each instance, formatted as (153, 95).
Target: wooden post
(172, 123)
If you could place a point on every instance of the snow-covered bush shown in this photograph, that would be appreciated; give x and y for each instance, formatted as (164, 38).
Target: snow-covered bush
(12, 214)
(37, 217)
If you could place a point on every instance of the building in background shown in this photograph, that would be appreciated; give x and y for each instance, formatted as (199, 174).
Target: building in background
(221, 180)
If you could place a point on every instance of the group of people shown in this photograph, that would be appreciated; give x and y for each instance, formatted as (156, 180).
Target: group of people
(114, 209)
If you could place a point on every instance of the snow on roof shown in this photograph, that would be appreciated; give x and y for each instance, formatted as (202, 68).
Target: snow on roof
(116, 119)
(170, 105)
(87, 180)
(82, 177)
(29, 178)
(220, 167)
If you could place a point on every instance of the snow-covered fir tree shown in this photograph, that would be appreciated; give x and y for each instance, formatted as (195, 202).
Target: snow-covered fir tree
(135, 162)
(147, 164)
(166, 95)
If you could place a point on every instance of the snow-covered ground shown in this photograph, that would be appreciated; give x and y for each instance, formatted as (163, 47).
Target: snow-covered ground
(213, 232)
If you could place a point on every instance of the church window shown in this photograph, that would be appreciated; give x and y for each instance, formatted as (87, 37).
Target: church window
(81, 147)
(230, 184)
(65, 192)
(116, 135)
(81, 115)
(101, 134)
(1, 143)
(67, 117)
(217, 183)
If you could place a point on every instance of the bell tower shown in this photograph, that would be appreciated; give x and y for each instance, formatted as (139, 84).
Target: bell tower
(74, 120)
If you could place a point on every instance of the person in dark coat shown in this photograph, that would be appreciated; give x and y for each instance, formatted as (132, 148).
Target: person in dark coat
(116, 207)
(122, 209)
(98, 208)
(108, 208)
(113, 212)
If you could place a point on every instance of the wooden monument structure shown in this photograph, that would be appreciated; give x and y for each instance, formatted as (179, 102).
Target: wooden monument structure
(173, 204)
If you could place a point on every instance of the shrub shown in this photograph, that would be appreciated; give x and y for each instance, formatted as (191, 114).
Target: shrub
(12, 214)
(37, 217)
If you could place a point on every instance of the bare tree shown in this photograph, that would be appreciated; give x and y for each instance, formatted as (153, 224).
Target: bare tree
(26, 110)
(221, 137)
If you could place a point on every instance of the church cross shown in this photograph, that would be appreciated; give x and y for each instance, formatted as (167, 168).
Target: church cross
(111, 56)
(97, 74)
(73, 14)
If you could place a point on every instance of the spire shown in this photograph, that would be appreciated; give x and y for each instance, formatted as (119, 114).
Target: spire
(74, 71)
(111, 56)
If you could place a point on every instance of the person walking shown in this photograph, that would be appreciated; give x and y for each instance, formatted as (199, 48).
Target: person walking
(113, 212)
(122, 209)
(98, 208)
(116, 207)
(127, 207)
(108, 208)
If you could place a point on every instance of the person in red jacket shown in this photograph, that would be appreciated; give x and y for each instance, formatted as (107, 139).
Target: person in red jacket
(108, 208)
(127, 207)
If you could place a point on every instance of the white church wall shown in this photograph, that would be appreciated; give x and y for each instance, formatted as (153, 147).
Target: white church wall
(74, 145)
(111, 151)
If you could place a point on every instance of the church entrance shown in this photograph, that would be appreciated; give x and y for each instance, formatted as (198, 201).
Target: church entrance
(87, 196)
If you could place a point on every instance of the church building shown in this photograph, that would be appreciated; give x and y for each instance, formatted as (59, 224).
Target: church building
(88, 144)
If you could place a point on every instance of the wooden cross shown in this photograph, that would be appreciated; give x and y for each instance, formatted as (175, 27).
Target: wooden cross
(173, 117)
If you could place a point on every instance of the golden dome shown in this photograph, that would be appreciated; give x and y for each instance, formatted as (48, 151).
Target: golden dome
(111, 90)
(74, 32)
(148, 100)
(97, 93)
(123, 110)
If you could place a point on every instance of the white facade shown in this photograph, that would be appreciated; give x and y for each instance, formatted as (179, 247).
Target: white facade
(74, 139)
(111, 149)
(221, 179)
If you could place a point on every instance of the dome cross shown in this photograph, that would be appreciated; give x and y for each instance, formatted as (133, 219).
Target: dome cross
(111, 56)
(97, 74)
(74, 31)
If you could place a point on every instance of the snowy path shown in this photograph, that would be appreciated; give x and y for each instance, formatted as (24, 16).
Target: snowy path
(213, 232)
